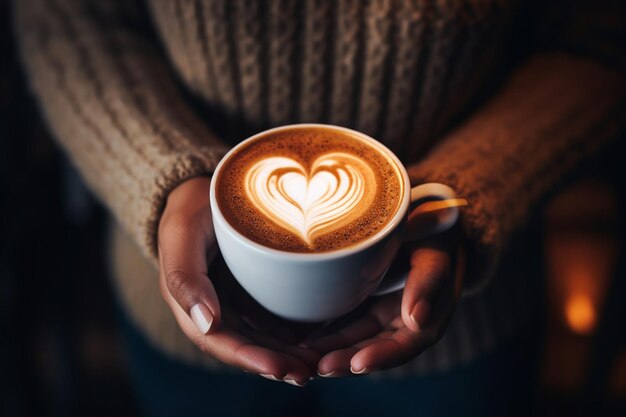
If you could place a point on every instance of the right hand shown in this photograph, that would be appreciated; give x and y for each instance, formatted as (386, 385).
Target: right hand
(233, 328)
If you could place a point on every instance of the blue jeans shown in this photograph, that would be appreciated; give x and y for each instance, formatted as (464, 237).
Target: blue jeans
(500, 383)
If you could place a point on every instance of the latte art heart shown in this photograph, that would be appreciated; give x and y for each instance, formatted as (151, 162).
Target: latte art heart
(311, 202)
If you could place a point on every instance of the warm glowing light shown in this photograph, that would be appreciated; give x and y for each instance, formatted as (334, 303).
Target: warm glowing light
(580, 313)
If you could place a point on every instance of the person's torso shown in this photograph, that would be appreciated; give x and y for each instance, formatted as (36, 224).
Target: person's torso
(400, 71)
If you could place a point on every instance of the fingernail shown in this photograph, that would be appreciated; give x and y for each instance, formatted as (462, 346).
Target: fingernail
(202, 317)
(328, 375)
(270, 377)
(420, 314)
(362, 371)
(414, 320)
(293, 382)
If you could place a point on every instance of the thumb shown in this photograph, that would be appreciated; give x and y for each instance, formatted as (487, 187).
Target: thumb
(428, 278)
(183, 262)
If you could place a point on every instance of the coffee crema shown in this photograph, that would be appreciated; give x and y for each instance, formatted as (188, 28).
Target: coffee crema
(309, 190)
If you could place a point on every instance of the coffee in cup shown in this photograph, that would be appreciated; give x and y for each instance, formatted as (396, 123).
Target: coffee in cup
(309, 190)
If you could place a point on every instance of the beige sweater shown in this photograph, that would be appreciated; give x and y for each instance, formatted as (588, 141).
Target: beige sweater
(499, 99)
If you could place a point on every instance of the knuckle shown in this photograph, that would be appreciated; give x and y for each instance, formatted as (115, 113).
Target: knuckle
(176, 280)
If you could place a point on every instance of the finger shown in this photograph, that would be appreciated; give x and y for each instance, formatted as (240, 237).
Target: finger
(301, 362)
(428, 278)
(307, 356)
(380, 314)
(391, 349)
(231, 347)
(183, 259)
(337, 363)
(254, 352)
(389, 352)
(386, 350)
(237, 350)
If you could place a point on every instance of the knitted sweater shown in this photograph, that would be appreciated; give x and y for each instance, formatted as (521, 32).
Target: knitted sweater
(498, 99)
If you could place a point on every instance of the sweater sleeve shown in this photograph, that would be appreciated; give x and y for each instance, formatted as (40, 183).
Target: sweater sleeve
(561, 107)
(112, 103)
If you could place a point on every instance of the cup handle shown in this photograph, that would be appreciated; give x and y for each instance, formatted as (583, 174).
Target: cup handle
(397, 275)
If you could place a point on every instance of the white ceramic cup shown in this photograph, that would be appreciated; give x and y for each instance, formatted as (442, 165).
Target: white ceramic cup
(315, 287)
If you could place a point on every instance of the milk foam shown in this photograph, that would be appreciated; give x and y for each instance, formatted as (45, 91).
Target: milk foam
(330, 195)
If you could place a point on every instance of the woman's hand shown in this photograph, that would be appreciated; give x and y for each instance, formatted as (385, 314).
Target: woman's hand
(216, 313)
(393, 329)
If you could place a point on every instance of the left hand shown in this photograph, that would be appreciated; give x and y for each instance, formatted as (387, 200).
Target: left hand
(393, 329)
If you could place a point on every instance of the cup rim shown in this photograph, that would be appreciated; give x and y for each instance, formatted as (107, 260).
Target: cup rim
(391, 226)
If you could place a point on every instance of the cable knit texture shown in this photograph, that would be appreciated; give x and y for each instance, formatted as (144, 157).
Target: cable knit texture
(429, 78)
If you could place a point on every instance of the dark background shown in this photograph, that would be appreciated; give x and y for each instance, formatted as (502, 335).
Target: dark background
(60, 353)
